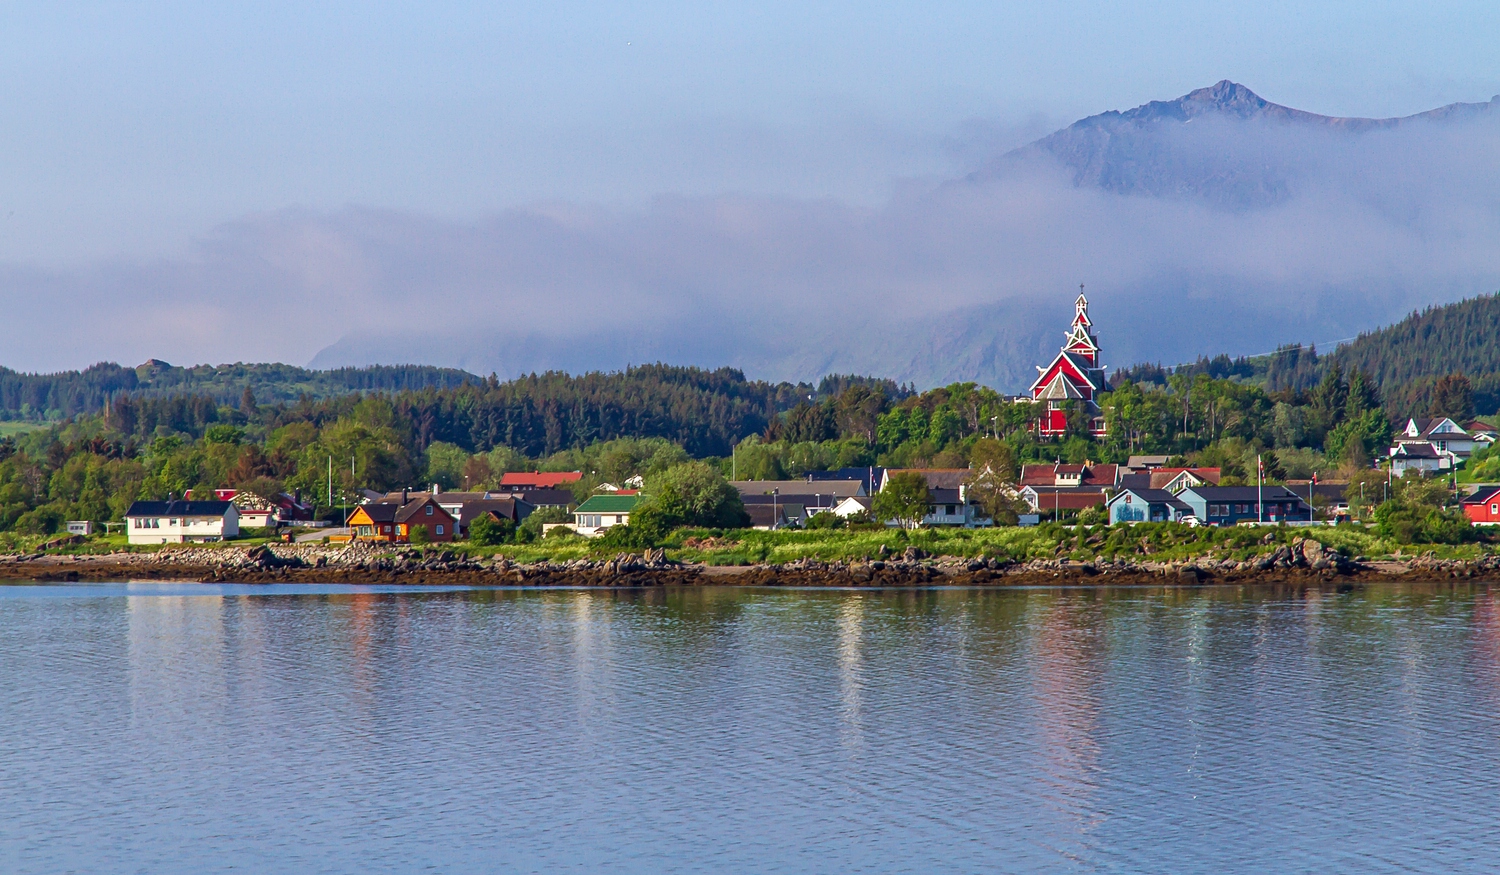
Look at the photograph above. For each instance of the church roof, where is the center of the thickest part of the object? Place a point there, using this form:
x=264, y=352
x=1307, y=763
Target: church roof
x=1092, y=376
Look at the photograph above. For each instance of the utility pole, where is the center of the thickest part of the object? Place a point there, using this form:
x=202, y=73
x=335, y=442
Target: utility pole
x=1260, y=478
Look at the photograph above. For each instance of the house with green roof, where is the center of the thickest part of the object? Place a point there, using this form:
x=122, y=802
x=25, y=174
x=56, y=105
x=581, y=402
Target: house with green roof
x=602, y=511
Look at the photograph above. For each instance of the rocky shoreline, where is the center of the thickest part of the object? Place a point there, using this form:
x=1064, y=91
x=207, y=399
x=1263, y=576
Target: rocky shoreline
x=1302, y=561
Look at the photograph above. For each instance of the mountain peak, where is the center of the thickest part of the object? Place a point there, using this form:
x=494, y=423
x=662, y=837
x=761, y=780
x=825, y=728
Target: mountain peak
x=1226, y=96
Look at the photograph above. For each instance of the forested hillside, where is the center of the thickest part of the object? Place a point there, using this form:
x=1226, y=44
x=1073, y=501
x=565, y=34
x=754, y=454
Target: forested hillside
x=69, y=393
x=1418, y=363
x=1407, y=360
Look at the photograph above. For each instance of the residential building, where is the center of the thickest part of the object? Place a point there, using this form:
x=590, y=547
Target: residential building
x=795, y=508
x=1145, y=462
x=1056, y=499
x=1483, y=507
x=176, y=522
x=395, y=517
x=769, y=517
x=601, y=512
x=516, y=481
x=870, y=476
x=1445, y=435
x=1174, y=480
x=1060, y=475
x=258, y=511
x=1423, y=456
x=1327, y=498
x=540, y=498
x=948, y=489
x=1073, y=380
x=1146, y=505
x=840, y=488
x=854, y=505
x=81, y=527
x=511, y=510
x=1231, y=505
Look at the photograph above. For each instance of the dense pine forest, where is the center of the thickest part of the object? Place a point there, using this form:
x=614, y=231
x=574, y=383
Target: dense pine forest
x=52, y=397
x=1412, y=362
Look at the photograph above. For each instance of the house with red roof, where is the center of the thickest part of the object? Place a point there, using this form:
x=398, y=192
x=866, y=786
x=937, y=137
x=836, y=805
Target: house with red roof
x=513, y=481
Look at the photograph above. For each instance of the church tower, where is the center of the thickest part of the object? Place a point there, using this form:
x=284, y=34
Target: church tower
x=1074, y=379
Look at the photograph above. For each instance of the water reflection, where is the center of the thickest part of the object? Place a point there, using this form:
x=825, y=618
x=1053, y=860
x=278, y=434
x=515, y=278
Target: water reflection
x=850, y=639
x=708, y=729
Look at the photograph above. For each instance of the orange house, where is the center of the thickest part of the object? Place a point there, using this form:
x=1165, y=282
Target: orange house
x=393, y=520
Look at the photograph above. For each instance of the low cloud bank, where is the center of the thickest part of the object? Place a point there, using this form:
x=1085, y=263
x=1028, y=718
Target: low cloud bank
x=968, y=280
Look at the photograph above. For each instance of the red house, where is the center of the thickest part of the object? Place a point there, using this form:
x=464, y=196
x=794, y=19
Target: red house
x=1075, y=378
x=1483, y=507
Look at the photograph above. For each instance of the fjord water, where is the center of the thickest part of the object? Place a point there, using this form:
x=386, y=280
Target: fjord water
x=200, y=728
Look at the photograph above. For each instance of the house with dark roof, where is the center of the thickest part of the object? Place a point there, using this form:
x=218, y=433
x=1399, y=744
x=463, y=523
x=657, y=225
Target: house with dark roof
x=395, y=518
x=1483, y=507
x=1231, y=505
x=1146, y=506
x=179, y=522
x=948, y=496
x=1423, y=456
x=511, y=510
x=870, y=477
x=1445, y=435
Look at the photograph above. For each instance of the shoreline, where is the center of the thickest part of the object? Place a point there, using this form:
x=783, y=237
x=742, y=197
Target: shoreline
x=652, y=569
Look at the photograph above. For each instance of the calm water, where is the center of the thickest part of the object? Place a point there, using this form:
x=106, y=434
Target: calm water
x=195, y=728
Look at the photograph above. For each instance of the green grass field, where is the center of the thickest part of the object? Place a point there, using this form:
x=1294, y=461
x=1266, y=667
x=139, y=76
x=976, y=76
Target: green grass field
x=8, y=429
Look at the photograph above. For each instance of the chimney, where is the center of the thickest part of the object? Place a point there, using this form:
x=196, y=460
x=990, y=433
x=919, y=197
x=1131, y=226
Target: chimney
x=404, y=497
x=436, y=489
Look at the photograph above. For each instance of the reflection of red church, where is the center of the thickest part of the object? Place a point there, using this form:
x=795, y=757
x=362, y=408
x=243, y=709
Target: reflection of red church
x=1074, y=376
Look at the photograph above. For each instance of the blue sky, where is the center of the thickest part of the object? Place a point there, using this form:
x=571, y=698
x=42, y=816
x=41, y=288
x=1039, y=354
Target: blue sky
x=130, y=130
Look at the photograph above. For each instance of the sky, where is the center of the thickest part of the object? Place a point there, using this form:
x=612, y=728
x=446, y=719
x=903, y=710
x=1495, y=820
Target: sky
x=135, y=139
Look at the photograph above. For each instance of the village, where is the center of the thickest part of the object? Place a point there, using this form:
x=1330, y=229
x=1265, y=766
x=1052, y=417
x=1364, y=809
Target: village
x=1145, y=489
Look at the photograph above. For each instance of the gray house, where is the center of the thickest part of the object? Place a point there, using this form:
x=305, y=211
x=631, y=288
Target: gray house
x=1230, y=505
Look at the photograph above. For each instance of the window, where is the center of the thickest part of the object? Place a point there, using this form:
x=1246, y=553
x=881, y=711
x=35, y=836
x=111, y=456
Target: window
x=429, y=510
x=950, y=510
x=440, y=528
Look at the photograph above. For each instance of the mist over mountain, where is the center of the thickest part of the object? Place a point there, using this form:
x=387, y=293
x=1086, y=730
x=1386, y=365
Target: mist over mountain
x=1218, y=222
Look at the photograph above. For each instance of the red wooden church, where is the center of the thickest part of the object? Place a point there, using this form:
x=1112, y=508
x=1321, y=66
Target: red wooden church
x=1074, y=376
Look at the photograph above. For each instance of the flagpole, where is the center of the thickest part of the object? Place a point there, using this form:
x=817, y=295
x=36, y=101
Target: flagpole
x=1260, y=478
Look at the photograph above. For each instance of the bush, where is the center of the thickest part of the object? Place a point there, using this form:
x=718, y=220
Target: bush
x=1092, y=516
x=648, y=527
x=531, y=527
x=694, y=494
x=486, y=531
x=825, y=520
x=418, y=535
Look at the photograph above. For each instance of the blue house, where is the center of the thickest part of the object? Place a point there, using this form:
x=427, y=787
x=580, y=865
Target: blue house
x=1146, y=505
x=1230, y=505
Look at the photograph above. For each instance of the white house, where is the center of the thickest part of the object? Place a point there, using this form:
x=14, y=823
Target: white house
x=1421, y=456
x=601, y=512
x=176, y=522
x=1445, y=435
